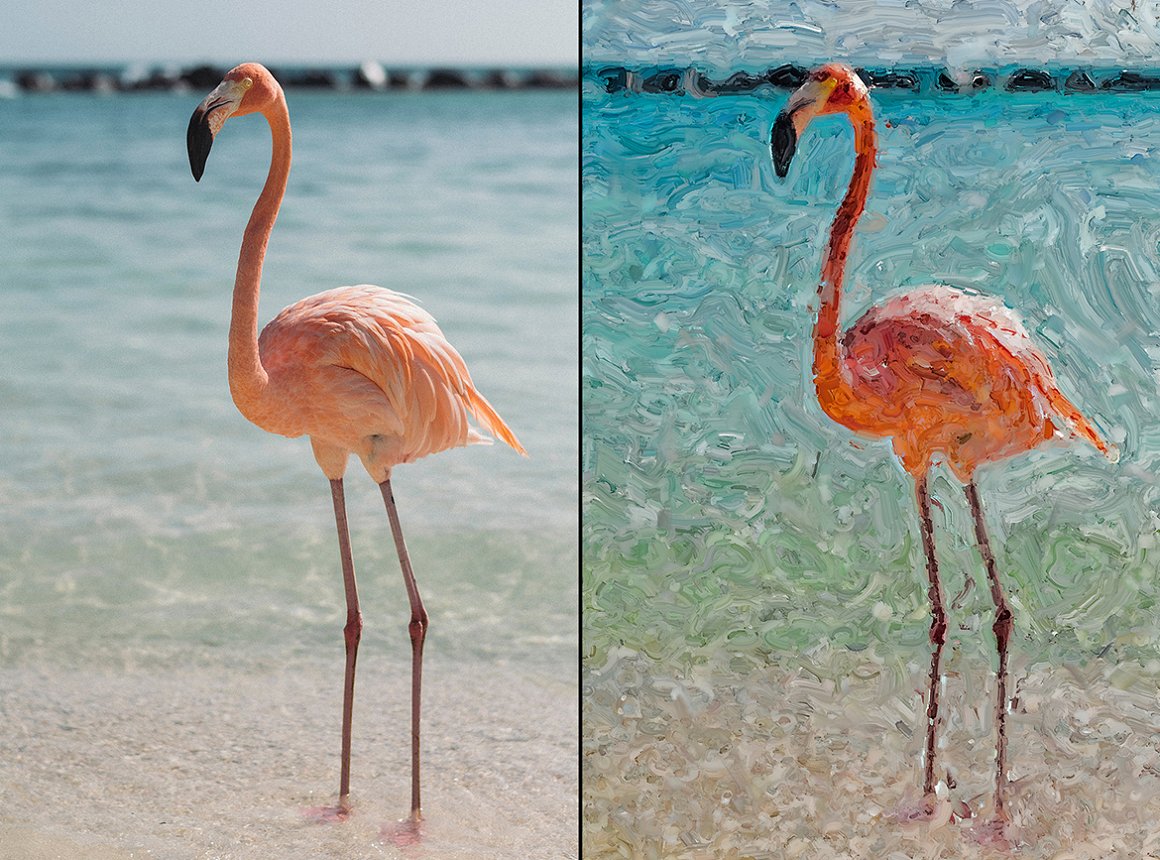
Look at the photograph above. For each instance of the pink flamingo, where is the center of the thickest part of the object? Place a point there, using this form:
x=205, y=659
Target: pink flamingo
x=359, y=370
x=941, y=372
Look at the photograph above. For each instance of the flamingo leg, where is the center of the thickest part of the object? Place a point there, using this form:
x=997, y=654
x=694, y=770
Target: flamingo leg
x=351, y=633
x=418, y=633
x=938, y=631
x=1002, y=628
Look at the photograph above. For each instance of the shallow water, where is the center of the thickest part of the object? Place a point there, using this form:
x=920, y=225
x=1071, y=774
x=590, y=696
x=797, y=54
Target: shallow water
x=151, y=536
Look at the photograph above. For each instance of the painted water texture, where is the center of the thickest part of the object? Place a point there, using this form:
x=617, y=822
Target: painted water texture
x=756, y=623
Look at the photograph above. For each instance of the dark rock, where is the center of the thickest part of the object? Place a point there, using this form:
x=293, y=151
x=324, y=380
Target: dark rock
x=615, y=78
x=739, y=82
x=547, y=79
x=314, y=79
x=397, y=80
x=889, y=80
x=89, y=82
x=665, y=81
x=1030, y=80
x=445, y=79
x=787, y=76
x=35, y=82
x=1079, y=81
x=160, y=80
x=945, y=83
x=1130, y=82
x=979, y=81
x=500, y=79
x=203, y=77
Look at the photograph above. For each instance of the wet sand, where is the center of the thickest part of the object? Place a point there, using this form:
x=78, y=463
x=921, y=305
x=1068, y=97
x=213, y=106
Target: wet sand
x=738, y=760
x=221, y=763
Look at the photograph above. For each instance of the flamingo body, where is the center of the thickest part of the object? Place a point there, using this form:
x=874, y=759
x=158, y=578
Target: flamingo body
x=366, y=370
x=945, y=372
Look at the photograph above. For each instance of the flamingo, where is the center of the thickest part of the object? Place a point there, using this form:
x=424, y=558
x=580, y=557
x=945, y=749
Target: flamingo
x=947, y=375
x=360, y=370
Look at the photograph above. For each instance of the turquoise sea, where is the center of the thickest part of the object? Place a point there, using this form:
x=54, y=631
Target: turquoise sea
x=739, y=548
x=171, y=600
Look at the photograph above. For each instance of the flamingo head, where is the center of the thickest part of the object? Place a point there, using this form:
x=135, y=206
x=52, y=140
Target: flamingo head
x=245, y=89
x=832, y=88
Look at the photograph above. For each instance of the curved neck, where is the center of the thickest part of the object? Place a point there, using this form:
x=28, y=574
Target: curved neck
x=826, y=347
x=247, y=376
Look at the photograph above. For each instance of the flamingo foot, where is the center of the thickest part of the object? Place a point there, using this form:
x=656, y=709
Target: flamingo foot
x=961, y=811
x=329, y=814
x=993, y=833
x=928, y=808
x=401, y=834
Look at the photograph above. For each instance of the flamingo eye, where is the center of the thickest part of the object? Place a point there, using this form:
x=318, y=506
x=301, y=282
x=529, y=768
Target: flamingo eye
x=820, y=75
x=247, y=83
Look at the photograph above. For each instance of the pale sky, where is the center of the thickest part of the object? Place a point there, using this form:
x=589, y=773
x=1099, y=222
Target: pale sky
x=395, y=32
x=728, y=35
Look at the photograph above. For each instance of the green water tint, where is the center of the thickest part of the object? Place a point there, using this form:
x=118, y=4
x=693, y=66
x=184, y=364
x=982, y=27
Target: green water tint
x=233, y=597
x=681, y=598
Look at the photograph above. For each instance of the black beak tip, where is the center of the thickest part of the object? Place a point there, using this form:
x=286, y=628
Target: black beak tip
x=198, y=140
x=782, y=143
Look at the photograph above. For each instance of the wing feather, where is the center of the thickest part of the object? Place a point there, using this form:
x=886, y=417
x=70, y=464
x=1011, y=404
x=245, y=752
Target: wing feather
x=375, y=364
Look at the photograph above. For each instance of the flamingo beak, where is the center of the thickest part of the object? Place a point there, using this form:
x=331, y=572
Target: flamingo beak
x=806, y=103
x=783, y=143
x=208, y=120
x=198, y=140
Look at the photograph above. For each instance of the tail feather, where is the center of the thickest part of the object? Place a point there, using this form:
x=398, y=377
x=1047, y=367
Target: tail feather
x=489, y=418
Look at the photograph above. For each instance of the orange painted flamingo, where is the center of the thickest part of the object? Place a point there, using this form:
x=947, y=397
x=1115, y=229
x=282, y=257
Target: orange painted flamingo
x=945, y=374
x=360, y=370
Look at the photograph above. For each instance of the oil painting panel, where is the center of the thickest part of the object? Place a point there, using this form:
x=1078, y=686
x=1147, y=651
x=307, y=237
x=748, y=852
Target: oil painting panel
x=757, y=617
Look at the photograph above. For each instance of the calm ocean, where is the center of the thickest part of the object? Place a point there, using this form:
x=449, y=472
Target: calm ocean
x=153, y=540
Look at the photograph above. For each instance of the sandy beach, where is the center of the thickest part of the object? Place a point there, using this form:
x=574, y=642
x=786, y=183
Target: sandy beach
x=737, y=760
x=219, y=763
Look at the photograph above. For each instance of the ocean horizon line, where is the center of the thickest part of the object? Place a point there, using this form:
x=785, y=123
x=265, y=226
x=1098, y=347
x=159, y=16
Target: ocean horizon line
x=131, y=77
x=677, y=79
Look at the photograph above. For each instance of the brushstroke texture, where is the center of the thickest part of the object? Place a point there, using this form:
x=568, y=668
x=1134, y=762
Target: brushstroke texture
x=731, y=34
x=733, y=535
